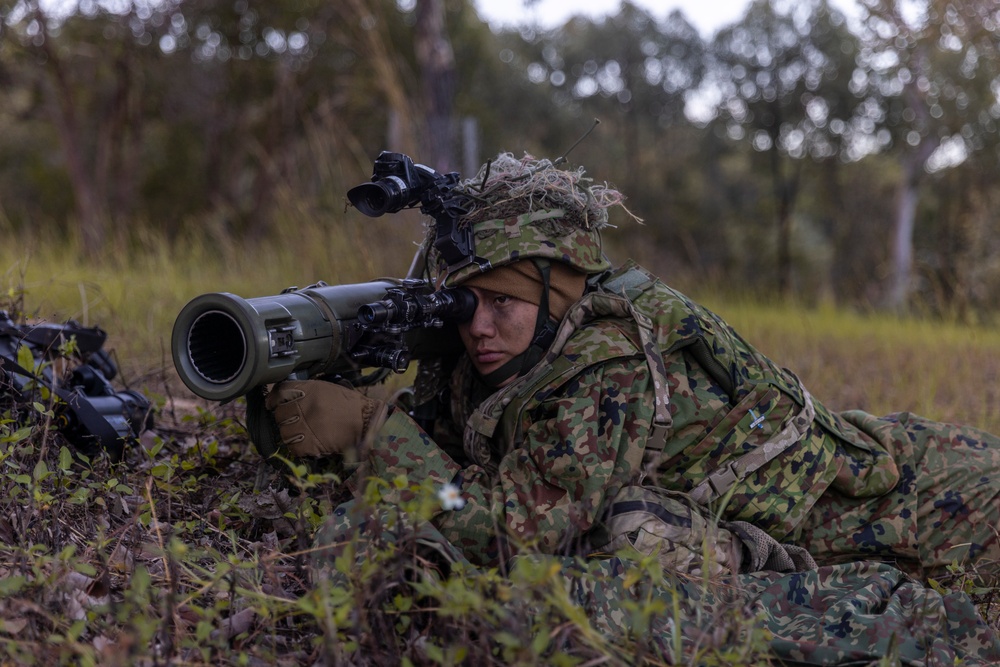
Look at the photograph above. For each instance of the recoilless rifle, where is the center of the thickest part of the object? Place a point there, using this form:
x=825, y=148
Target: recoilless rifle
x=224, y=346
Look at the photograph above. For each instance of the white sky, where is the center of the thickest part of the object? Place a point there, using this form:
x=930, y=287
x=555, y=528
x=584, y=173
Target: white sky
x=706, y=15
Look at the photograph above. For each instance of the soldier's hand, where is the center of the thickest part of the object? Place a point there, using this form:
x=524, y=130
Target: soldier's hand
x=761, y=552
x=319, y=418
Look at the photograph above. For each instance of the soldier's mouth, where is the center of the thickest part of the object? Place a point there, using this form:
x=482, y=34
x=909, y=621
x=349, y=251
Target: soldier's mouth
x=486, y=357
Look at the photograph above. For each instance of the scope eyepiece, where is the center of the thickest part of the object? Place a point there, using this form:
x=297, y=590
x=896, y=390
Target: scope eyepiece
x=456, y=304
x=387, y=195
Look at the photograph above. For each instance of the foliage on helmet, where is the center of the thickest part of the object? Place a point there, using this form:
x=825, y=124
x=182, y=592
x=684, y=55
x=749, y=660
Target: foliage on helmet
x=530, y=208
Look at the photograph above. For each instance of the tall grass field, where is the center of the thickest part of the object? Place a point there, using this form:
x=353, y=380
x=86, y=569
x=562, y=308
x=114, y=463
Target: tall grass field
x=186, y=553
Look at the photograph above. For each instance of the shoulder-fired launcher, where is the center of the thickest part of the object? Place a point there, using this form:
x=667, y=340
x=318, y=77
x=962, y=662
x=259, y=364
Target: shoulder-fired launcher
x=224, y=345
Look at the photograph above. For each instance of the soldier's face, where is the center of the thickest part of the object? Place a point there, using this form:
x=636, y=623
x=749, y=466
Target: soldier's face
x=501, y=329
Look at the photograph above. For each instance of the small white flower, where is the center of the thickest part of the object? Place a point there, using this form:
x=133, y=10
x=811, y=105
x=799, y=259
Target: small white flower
x=451, y=497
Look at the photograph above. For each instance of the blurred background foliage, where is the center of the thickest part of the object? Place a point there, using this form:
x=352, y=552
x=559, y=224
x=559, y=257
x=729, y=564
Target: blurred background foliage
x=154, y=150
x=792, y=154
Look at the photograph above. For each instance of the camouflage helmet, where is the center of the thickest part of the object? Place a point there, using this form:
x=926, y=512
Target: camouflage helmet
x=529, y=208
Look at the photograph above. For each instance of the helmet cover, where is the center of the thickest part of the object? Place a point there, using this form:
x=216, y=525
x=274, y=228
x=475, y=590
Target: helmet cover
x=526, y=208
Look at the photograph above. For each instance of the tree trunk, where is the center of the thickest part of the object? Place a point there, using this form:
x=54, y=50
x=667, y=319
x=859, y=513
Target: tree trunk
x=437, y=69
x=101, y=172
x=83, y=180
x=785, y=194
x=906, y=212
x=377, y=47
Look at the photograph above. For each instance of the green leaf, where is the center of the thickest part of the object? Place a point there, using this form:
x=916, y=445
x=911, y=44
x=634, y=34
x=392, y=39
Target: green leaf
x=434, y=652
x=540, y=643
x=17, y=436
x=11, y=585
x=938, y=588
x=157, y=446
x=65, y=458
x=25, y=358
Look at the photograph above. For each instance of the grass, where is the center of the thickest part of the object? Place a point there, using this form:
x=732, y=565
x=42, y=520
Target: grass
x=187, y=554
x=881, y=364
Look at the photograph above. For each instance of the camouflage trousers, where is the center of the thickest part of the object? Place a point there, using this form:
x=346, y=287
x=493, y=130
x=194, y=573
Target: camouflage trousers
x=859, y=613
x=945, y=508
x=856, y=613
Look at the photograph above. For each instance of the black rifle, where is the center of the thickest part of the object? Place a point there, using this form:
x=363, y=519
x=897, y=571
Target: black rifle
x=91, y=413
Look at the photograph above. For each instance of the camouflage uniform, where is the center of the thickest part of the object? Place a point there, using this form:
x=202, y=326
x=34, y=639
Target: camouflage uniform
x=545, y=457
x=858, y=613
x=643, y=389
x=546, y=453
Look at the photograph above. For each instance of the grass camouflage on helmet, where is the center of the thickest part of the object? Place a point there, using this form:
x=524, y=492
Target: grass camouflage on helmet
x=530, y=208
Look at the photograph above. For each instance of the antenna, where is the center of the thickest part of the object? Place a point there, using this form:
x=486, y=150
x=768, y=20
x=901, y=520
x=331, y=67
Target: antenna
x=560, y=160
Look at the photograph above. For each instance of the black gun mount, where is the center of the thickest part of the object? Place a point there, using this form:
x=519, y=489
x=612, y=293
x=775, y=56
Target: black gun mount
x=397, y=183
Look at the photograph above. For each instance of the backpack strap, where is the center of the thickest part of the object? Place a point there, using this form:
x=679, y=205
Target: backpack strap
x=630, y=284
x=722, y=479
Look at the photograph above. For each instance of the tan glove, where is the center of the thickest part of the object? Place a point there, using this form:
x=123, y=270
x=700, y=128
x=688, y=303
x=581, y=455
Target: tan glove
x=319, y=418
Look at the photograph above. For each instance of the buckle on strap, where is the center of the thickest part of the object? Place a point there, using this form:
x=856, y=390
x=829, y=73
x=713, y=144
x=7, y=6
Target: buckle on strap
x=717, y=483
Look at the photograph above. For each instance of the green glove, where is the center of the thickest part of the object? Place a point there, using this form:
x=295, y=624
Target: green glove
x=319, y=418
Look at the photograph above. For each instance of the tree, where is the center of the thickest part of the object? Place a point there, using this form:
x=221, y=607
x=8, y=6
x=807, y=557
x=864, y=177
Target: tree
x=99, y=125
x=633, y=73
x=436, y=61
x=929, y=74
x=226, y=102
x=781, y=86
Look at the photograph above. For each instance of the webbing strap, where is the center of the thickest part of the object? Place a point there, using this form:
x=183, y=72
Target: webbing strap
x=630, y=285
x=721, y=480
x=662, y=419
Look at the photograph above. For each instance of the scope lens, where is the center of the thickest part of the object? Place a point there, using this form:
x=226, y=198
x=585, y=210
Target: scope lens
x=378, y=197
x=216, y=346
x=374, y=313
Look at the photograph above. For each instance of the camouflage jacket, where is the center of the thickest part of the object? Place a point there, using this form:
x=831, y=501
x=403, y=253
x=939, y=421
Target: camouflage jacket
x=640, y=384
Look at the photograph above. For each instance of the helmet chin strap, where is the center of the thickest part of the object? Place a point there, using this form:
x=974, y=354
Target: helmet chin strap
x=545, y=331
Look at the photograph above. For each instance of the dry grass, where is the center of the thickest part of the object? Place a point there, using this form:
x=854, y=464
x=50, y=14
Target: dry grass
x=881, y=364
x=173, y=557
